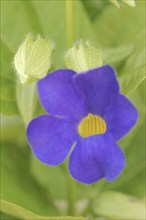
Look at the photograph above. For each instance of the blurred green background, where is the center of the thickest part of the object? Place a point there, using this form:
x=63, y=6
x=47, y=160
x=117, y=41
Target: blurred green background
x=30, y=189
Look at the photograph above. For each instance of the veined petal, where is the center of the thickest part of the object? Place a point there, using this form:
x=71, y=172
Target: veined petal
x=59, y=96
x=99, y=86
x=120, y=117
x=114, y=162
x=94, y=158
x=50, y=138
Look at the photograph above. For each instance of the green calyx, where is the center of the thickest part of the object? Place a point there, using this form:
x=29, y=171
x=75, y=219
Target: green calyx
x=83, y=56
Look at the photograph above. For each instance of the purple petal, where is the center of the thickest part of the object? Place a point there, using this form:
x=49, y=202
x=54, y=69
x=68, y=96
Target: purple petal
x=94, y=158
x=50, y=138
x=59, y=96
x=99, y=86
x=120, y=117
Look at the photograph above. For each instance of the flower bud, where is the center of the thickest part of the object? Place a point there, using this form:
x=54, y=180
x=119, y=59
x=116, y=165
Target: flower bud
x=33, y=59
x=83, y=56
x=115, y=3
x=128, y=2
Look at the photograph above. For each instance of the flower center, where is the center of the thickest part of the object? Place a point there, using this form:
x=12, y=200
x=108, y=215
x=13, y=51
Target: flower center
x=91, y=125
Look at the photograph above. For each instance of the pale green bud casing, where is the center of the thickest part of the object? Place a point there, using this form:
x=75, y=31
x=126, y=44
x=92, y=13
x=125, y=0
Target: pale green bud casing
x=83, y=56
x=128, y=2
x=33, y=59
x=115, y=3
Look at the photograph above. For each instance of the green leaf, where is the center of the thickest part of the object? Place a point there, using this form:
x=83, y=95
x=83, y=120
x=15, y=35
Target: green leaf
x=117, y=27
x=19, y=212
x=115, y=56
x=138, y=57
x=17, y=183
x=47, y=176
x=8, y=79
x=4, y=216
x=12, y=129
x=119, y=206
x=130, y=62
x=27, y=101
x=134, y=71
x=8, y=108
x=94, y=8
x=131, y=79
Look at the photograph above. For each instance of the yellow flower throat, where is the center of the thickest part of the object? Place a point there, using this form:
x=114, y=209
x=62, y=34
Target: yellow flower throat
x=91, y=125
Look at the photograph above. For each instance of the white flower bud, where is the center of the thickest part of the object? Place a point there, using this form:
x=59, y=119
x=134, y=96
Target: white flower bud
x=83, y=56
x=115, y=3
x=33, y=59
x=128, y=2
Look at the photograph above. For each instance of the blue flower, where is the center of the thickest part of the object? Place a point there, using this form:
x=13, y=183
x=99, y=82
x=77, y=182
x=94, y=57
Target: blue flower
x=87, y=115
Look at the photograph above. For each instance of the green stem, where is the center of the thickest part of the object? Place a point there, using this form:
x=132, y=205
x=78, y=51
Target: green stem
x=71, y=196
x=69, y=22
x=92, y=196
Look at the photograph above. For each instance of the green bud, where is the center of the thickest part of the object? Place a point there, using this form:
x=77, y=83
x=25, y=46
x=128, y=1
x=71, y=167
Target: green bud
x=33, y=59
x=115, y=3
x=130, y=2
x=83, y=56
